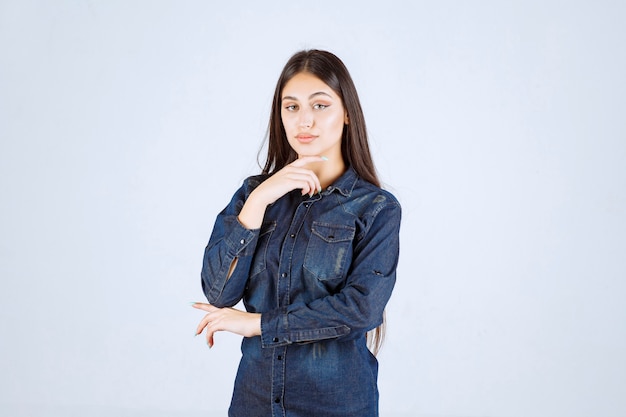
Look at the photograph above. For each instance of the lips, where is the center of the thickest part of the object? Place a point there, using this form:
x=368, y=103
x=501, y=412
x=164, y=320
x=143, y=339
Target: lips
x=305, y=137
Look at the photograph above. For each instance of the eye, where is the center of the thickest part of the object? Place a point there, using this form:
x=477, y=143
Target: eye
x=320, y=106
x=291, y=107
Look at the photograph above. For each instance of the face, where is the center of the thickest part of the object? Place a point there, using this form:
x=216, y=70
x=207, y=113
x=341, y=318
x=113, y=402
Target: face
x=313, y=117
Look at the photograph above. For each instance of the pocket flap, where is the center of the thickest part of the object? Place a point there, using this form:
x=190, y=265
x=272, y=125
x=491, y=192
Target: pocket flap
x=333, y=232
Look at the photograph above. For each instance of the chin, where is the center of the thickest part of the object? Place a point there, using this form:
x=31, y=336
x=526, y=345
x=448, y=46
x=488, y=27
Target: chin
x=306, y=152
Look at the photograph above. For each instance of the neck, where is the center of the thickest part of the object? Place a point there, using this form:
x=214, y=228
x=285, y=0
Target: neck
x=329, y=171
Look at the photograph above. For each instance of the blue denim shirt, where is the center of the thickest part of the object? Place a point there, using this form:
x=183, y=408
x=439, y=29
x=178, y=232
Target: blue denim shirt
x=320, y=270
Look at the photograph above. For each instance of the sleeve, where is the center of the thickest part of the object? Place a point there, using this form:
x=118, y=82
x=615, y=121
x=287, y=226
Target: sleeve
x=229, y=241
x=359, y=306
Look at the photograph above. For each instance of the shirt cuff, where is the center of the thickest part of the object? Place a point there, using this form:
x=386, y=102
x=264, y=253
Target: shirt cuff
x=274, y=328
x=239, y=239
x=275, y=331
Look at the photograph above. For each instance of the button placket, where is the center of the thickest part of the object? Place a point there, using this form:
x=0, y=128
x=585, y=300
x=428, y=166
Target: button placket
x=287, y=253
x=284, y=268
x=278, y=381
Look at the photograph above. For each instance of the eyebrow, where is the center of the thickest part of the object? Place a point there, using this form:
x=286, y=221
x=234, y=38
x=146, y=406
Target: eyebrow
x=319, y=93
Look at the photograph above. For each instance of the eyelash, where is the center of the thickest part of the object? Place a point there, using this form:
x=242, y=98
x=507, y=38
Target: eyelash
x=317, y=106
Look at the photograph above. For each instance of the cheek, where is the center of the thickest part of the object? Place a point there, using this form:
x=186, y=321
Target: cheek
x=287, y=125
x=334, y=121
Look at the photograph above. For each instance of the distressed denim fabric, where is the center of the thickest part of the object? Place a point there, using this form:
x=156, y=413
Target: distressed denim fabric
x=320, y=270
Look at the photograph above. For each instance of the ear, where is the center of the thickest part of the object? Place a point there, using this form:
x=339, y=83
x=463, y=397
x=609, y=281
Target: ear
x=346, y=121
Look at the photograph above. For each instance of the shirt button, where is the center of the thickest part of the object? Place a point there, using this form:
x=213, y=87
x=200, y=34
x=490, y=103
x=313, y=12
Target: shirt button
x=277, y=400
x=275, y=340
x=293, y=235
x=242, y=241
x=284, y=275
x=280, y=357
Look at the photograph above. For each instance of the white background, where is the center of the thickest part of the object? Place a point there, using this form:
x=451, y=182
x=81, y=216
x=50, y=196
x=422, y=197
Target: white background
x=125, y=126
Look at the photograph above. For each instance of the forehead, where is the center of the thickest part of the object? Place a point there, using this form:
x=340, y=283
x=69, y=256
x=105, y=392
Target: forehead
x=303, y=84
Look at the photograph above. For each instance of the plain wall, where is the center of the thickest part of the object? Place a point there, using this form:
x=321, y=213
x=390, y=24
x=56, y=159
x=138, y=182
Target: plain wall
x=125, y=126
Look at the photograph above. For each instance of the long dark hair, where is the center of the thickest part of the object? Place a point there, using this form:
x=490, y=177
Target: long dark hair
x=354, y=142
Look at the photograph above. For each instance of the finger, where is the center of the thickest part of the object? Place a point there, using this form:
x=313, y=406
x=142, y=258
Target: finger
x=300, y=162
x=204, y=306
x=306, y=186
x=206, y=320
x=312, y=185
x=203, y=323
x=305, y=179
x=210, y=331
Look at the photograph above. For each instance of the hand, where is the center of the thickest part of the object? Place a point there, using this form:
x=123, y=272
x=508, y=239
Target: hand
x=227, y=319
x=291, y=177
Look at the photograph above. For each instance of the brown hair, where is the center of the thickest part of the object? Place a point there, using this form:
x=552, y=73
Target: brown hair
x=354, y=142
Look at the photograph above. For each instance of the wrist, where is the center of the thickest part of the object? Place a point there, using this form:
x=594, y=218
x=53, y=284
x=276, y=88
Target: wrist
x=252, y=212
x=257, y=324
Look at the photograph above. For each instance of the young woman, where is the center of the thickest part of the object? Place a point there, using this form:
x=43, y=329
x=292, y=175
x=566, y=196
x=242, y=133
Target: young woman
x=311, y=245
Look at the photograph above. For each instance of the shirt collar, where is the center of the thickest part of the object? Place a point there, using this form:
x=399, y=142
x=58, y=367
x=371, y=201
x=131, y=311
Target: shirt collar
x=344, y=184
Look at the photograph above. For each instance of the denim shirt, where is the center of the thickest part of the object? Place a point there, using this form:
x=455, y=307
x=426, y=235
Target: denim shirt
x=320, y=270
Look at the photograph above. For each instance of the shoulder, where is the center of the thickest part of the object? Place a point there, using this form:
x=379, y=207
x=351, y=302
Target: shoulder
x=374, y=198
x=253, y=181
x=377, y=209
x=370, y=205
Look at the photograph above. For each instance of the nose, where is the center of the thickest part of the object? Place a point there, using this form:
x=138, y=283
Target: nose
x=306, y=119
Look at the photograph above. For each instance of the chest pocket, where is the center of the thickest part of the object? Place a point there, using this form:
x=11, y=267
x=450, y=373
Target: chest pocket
x=329, y=250
x=259, y=262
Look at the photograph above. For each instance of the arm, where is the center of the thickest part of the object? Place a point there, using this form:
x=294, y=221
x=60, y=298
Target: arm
x=358, y=307
x=228, y=256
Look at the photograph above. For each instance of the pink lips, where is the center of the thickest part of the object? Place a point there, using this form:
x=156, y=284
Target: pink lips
x=305, y=138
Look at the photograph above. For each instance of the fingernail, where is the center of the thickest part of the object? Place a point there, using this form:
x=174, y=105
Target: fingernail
x=319, y=190
x=324, y=158
x=192, y=303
